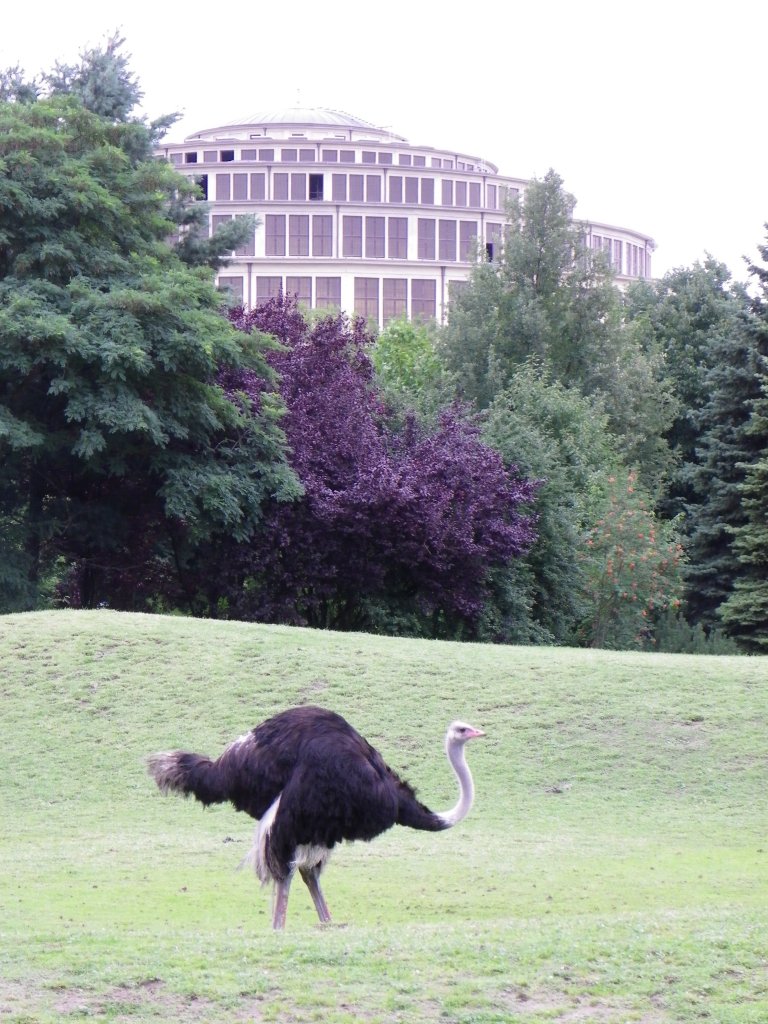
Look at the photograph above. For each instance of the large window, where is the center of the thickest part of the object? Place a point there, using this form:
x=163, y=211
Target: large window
x=352, y=236
x=356, y=182
x=298, y=234
x=268, y=288
x=618, y=256
x=240, y=186
x=322, y=235
x=367, y=297
x=234, y=285
x=398, y=238
x=395, y=189
x=411, y=190
x=467, y=239
x=374, y=237
x=427, y=191
x=447, y=192
x=493, y=241
x=298, y=186
x=202, y=183
x=223, y=185
x=217, y=219
x=280, y=186
x=301, y=287
x=373, y=188
x=315, y=187
x=447, y=240
x=328, y=292
x=395, y=299
x=339, y=188
x=258, y=186
x=423, y=302
x=249, y=247
x=426, y=239
x=274, y=234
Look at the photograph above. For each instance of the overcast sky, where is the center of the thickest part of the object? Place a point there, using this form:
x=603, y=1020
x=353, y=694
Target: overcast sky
x=652, y=112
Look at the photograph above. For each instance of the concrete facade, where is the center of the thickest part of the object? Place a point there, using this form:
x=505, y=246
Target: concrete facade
x=356, y=217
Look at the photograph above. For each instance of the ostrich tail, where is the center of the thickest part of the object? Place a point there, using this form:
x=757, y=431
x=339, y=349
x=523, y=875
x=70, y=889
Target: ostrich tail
x=189, y=774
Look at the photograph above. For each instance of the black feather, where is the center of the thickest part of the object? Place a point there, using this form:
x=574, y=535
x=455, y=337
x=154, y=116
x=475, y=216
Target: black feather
x=333, y=785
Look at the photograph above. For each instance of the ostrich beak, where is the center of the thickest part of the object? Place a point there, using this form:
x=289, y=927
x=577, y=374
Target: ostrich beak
x=475, y=734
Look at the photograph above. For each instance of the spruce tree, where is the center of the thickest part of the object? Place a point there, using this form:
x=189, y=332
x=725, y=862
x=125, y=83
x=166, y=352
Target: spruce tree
x=729, y=449
x=745, y=612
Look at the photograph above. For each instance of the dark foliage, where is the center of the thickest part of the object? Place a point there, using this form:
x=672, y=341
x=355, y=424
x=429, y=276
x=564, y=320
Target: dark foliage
x=396, y=530
x=727, y=449
x=745, y=612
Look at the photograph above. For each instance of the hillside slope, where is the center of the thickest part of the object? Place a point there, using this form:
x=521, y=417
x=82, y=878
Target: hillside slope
x=618, y=795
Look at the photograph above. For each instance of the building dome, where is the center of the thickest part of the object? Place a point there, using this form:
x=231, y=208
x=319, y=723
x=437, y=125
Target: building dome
x=351, y=216
x=316, y=122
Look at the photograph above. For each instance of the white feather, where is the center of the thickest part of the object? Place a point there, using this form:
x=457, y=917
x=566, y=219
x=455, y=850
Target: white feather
x=256, y=856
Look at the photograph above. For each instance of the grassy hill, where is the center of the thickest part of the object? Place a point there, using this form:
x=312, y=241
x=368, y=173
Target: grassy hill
x=614, y=868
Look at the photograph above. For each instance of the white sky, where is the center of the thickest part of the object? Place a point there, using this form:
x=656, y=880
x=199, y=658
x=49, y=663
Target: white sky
x=649, y=110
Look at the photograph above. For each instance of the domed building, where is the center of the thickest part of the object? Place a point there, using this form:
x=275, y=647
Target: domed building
x=354, y=217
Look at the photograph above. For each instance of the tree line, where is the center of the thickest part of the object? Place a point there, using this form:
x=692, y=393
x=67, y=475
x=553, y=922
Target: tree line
x=562, y=463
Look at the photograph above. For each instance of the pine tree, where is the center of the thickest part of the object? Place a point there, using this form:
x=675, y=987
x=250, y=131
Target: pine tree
x=745, y=612
x=729, y=449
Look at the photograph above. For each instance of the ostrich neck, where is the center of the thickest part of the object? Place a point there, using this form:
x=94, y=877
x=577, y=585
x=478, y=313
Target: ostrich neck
x=458, y=762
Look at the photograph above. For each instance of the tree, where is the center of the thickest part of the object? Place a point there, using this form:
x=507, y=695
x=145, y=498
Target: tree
x=727, y=461
x=683, y=316
x=409, y=372
x=113, y=428
x=397, y=529
x=101, y=80
x=745, y=611
x=633, y=566
x=558, y=437
x=548, y=297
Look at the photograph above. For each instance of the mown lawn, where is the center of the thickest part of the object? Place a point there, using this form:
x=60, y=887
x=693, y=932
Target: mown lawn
x=614, y=868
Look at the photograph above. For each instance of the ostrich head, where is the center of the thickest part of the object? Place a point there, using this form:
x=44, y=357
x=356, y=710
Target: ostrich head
x=458, y=734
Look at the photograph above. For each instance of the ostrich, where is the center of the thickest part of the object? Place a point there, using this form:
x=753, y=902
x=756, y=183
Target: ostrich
x=311, y=781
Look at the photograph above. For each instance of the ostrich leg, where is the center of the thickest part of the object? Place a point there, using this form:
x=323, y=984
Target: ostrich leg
x=281, y=903
x=311, y=878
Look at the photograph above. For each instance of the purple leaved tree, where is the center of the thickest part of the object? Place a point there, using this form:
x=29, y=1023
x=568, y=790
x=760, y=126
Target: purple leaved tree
x=395, y=531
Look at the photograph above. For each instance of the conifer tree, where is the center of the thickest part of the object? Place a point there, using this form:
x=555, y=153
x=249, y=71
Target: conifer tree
x=731, y=445
x=745, y=612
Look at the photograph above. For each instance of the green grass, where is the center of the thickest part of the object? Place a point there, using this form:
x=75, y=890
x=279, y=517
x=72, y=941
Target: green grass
x=614, y=868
